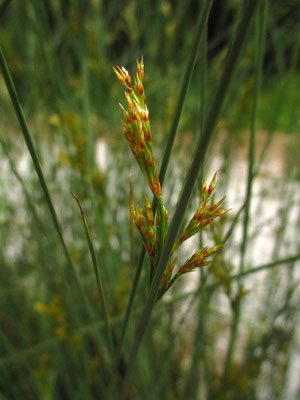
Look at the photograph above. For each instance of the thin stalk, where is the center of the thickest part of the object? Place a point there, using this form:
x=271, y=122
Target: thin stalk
x=161, y=229
x=131, y=225
x=260, y=37
x=161, y=234
x=204, y=13
x=97, y=273
x=26, y=134
x=233, y=224
x=260, y=29
x=25, y=191
x=35, y=349
x=171, y=138
x=19, y=113
x=202, y=145
x=193, y=380
x=130, y=304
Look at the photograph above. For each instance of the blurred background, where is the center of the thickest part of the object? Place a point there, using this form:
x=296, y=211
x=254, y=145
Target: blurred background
x=233, y=340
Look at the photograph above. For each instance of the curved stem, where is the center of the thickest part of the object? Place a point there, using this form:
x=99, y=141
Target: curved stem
x=71, y=271
x=97, y=274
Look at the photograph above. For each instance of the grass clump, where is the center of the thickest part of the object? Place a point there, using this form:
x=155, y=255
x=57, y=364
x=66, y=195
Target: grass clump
x=81, y=315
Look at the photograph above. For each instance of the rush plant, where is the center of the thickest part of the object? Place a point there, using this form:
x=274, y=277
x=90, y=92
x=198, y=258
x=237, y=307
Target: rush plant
x=153, y=230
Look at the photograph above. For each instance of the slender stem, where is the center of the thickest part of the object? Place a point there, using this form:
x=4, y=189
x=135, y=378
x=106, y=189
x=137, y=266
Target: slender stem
x=203, y=16
x=260, y=28
x=97, y=273
x=193, y=379
x=202, y=145
x=27, y=195
x=26, y=134
x=171, y=138
x=161, y=234
x=19, y=113
x=161, y=229
x=27, y=352
x=130, y=303
x=131, y=225
x=233, y=224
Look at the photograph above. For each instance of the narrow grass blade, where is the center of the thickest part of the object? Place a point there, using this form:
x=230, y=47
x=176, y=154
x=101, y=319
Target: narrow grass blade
x=97, y=272
x=55, y=341
x=204, y=13
x=202, y=145
x=25, y=131
x=260, y=29
x=233, y=224
x=25, y=191
x=193, y=378
x=19, y=113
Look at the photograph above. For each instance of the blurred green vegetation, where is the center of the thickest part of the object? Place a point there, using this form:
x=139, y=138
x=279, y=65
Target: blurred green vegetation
x=60, y=54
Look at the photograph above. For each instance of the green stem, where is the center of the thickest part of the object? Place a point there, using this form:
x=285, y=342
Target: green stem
x=26, y=134
x=193, y=379
x=97, y=273
x=171, y=138
x=192, y=382
x=35, y=349
x=19, y=113
x=27, y=195
x=161, y=229
x=203, y=17
x=229, y=68
x=260, y=28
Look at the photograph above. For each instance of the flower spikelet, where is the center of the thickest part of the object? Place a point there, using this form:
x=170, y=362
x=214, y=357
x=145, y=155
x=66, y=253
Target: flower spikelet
x=198, y=259
x=145, y=223
x=166, y=280
x=207, y=211
x=136, y=124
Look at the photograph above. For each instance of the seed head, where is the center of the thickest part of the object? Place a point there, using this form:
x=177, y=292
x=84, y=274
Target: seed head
x=198, y=259
x=136, y=125
x=207, y=211
x=124, y=77
x=140, y=70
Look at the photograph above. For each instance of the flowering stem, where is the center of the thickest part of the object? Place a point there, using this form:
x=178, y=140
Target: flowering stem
x=169, y=286
x=211, y=121
x=171, y=138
